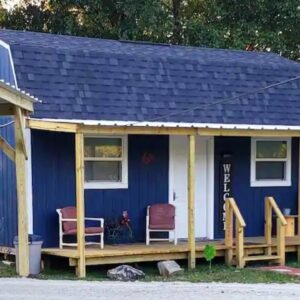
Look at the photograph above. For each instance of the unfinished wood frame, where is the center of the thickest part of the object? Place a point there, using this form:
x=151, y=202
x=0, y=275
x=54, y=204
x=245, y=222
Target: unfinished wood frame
x=231, y=211
x=79, y=153
x=163, y=130
x=270, y=206
x=191, y=202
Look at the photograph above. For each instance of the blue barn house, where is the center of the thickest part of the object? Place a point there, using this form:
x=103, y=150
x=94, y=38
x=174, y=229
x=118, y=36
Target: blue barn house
x=141, y=100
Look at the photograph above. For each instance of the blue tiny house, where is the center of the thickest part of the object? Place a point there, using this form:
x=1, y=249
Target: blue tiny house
x=134, y=104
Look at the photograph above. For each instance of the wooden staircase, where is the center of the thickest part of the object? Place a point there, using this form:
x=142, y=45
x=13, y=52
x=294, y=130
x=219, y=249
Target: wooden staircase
x=237, y=253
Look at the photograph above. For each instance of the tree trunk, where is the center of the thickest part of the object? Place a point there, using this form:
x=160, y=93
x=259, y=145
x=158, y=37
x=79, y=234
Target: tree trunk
x=177, y=29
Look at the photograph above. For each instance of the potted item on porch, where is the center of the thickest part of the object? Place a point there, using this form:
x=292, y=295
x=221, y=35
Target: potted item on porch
x=286, y=211
x=118, y=230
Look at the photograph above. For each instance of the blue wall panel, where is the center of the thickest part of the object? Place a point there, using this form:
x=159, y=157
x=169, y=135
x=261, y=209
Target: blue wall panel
x=54, y=183
x=8, y=197
x=251, y=199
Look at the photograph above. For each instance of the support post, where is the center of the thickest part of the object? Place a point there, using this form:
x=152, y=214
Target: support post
x=20, y=157
x=281, y=242
x=191, y=203
x=268, y=227
x=239, y=235
x=228, y=233
x=79, y=152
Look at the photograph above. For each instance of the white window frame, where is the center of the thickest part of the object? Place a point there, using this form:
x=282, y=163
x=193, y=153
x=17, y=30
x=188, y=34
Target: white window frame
x=111, y=185
x=265, y=183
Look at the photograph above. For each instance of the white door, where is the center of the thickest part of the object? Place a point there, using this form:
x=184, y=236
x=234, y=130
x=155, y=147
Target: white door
x=203, y=184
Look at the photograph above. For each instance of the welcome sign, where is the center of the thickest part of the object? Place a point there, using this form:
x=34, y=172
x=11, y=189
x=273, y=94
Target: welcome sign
x=226, y=168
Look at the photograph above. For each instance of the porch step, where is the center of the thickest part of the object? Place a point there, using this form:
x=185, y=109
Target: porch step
x=255, y=246
x=261, y=257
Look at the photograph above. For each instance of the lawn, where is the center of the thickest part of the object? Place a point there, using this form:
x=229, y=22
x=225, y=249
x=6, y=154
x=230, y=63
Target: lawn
x=219, y=273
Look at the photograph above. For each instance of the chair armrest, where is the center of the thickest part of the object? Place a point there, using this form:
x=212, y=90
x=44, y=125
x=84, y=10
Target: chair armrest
x=101, y=220
x=68, y=220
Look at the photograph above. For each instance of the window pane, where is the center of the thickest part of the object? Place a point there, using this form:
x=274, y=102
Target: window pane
x=271, y=149
x=110, y=171
x=103, y=147
x=270, y=170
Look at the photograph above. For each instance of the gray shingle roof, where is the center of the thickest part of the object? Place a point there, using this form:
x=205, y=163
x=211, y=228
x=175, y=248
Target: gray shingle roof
x=96, y=79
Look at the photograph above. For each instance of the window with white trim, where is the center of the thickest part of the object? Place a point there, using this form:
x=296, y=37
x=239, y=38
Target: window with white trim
x=270, y=162
x=105, y=162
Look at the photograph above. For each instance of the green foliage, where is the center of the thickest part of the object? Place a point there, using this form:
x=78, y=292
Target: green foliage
x=266, y=25
x=209, y=253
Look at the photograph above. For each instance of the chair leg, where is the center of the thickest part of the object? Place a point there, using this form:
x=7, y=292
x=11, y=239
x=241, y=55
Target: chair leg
x=175, y=238
x=102, y=241
x=147, y=237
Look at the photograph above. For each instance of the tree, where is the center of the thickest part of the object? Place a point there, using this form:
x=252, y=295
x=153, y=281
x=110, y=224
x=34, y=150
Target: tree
x=267, y=25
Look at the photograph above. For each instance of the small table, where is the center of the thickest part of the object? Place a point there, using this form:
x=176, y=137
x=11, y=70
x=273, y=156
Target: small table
x=290, y=227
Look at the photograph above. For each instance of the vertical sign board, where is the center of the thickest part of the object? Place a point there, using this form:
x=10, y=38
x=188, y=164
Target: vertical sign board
x=226, y=168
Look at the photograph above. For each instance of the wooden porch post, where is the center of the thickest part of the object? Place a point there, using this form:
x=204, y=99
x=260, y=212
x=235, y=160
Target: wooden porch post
x=20, y=157
x=191, y=203
x=79, y=152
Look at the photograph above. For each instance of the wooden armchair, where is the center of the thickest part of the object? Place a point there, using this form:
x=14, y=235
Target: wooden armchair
x=161, y=218
x=68, y=226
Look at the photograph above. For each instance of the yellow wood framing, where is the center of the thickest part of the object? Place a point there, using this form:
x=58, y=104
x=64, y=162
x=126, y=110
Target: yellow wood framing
x=101, y=129
x=7, y=149
x=21, y=120
x=21, y=191
x=191, y=202
x=79, y=150
x=14, y=97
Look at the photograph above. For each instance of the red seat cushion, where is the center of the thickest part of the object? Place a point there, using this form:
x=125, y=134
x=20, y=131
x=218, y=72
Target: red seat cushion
x=162, y=216
x=88, y=230
x=69, y=213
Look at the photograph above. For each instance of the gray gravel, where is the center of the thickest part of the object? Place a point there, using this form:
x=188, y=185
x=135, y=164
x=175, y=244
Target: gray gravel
x=25, y=289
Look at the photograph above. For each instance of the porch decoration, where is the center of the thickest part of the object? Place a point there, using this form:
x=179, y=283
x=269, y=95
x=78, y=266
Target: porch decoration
x=119, y=230
x=148, y=158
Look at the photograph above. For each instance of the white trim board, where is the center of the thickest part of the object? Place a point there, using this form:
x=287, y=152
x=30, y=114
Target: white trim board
x=7, y=46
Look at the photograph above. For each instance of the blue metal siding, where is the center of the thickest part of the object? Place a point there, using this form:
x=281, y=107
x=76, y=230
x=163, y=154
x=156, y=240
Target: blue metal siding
x=53, y=173
x=8, y=196
x=251, y=199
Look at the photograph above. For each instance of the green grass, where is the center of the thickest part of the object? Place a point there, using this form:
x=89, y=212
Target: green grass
x=219, y=273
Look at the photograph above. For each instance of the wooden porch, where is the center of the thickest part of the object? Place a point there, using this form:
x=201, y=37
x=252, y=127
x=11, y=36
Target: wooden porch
x=139, y=252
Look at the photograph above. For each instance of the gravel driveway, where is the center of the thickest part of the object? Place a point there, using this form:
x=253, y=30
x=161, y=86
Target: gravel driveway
x=25, y=289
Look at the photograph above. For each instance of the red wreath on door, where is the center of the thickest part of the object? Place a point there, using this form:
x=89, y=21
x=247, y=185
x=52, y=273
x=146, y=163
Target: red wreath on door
x=148, y=158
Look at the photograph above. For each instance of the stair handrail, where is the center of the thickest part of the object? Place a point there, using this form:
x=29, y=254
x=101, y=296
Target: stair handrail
x=231, y=211
x=271, y=205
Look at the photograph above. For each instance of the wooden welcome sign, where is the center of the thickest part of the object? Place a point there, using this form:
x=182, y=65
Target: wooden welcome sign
x=226, y=173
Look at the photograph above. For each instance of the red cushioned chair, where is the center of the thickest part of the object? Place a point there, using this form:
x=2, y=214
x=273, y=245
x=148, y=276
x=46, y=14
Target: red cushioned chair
x=161, y=218
x=68, y=226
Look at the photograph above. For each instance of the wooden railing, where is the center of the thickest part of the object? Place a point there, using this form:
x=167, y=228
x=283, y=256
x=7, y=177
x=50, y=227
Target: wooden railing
x=231, y=211
x=271, y=205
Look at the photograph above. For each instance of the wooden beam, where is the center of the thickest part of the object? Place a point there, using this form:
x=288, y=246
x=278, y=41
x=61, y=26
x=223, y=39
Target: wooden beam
x=228, y=233
x=280, y=241
x=6, y=109
x=7, y=149
x=79, y=153
x=21, y=119
x=101, y=129
x=51, y=126
x=191, y=203
x=268, y=227
x=14, y=97
x=21, y=192
x=239, y=236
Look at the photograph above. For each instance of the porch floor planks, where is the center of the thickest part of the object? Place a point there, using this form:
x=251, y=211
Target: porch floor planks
x=156, y=251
